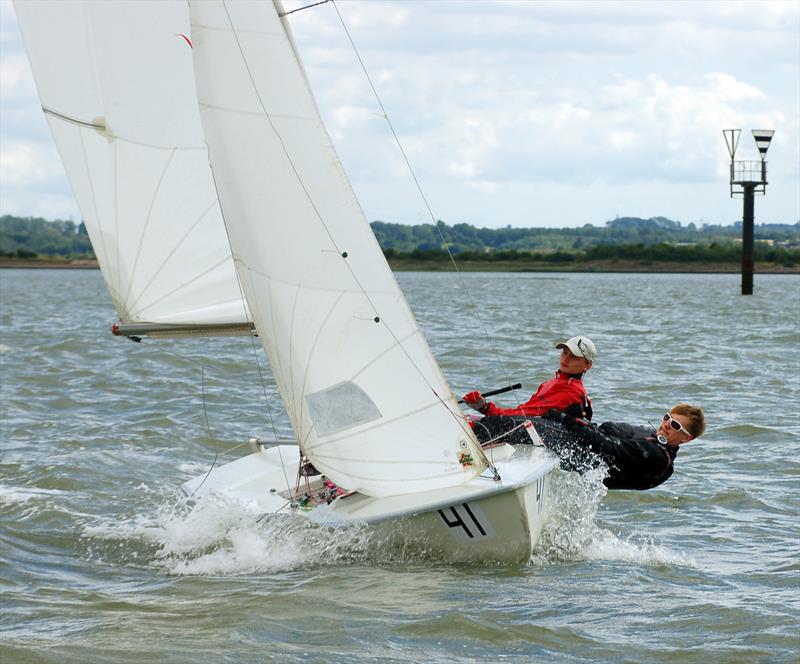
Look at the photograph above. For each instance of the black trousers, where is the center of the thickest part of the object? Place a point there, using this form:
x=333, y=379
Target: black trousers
x=573, y=453
x=504, y=428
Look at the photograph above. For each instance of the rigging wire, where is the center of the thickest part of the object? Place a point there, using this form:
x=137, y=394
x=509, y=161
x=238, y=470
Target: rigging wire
x=385, y=116
x=261, y=381
x=241, y=289
x=209, y=430
x=208, y=426
x=378, y=319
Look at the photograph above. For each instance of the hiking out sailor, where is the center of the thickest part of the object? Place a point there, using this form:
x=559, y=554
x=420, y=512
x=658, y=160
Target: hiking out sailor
x=637, y=457
x=564, y=392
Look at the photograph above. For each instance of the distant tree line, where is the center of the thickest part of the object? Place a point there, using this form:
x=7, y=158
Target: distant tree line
x=662, y=252
x=461, y=238
x=632, y=238
x=28, y=237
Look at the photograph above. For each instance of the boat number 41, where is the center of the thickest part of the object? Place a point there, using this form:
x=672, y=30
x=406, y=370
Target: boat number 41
x=466, y=523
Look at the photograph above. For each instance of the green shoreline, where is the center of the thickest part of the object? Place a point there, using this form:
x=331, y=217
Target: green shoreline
x=611, y=265
x=410, y=265
x=48, y=263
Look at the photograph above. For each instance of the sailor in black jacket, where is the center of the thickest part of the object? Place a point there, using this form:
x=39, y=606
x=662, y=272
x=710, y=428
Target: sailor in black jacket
x=637, y=457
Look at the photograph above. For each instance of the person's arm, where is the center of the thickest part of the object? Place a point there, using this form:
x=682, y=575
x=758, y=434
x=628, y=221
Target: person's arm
x=491, y=409
x=636, y=460
x=603, y=441
x=475, y=400
x=531, y=408
x=577, y=443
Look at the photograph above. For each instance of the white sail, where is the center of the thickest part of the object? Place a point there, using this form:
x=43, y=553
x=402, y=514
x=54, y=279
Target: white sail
x=115, y=80
x=365, y=396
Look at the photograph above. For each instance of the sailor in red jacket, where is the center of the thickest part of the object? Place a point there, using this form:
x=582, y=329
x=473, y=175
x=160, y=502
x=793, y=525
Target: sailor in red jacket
x=564, y=392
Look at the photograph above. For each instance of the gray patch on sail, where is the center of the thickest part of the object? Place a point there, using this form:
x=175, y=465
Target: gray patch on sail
x=340, y=407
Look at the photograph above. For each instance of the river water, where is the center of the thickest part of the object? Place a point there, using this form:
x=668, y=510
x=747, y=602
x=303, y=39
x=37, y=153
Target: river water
x=103, y=561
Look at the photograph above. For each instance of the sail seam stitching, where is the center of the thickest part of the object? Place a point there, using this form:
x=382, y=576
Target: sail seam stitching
x=428, y=207
x=459, y=420
x=311, y=354
x=188, y=283
x=114, y=296
x=383, y=353
x=291, y=347
x=171, y=254
x=147, y=220
x=377, y=425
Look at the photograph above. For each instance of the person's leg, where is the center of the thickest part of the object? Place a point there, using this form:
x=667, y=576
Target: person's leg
x=501, y=429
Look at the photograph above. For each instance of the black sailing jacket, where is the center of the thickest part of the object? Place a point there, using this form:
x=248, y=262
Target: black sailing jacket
x=635, y=458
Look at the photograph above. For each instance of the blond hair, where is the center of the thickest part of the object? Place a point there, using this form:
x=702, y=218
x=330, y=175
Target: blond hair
x=696, y=424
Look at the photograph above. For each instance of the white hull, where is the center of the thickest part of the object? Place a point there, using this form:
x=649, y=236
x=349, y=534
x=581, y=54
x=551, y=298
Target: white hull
x=482, y=520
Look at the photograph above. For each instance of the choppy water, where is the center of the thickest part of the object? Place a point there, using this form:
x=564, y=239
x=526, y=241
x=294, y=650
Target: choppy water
x=103, y=561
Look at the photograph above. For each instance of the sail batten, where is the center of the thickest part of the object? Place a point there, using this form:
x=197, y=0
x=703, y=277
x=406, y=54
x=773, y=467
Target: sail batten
x=83, y=123
x=354, y=371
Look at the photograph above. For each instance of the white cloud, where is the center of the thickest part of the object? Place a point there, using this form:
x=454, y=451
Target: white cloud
x=622, y=140
x=484, y=187
x=33, y=183
x=616, y=107
x=732, y=90
x=22, y=163
x=15, y=76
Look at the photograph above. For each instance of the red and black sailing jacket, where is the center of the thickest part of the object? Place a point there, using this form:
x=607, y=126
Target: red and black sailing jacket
x=563, y=392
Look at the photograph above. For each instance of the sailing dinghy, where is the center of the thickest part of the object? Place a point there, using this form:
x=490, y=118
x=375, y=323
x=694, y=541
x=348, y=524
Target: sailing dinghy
x=271, y=240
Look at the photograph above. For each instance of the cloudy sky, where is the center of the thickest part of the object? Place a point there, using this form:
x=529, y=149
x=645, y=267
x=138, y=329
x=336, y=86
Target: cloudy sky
x=527, y=113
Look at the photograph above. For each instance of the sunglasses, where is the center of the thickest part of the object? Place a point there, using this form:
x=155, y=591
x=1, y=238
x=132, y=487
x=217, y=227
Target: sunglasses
x=675, y=424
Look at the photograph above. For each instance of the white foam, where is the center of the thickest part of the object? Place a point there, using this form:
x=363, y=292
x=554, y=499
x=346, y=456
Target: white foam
x=14, y=495
x=610, y=547
x=219, y=535
x=193, y=468
x=573, y=534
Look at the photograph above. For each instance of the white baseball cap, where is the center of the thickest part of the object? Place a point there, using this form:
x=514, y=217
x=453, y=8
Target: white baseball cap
x=580, y=347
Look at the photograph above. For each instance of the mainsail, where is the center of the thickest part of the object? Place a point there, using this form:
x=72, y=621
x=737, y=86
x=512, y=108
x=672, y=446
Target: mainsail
x=116, y=84
x=365, y=396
